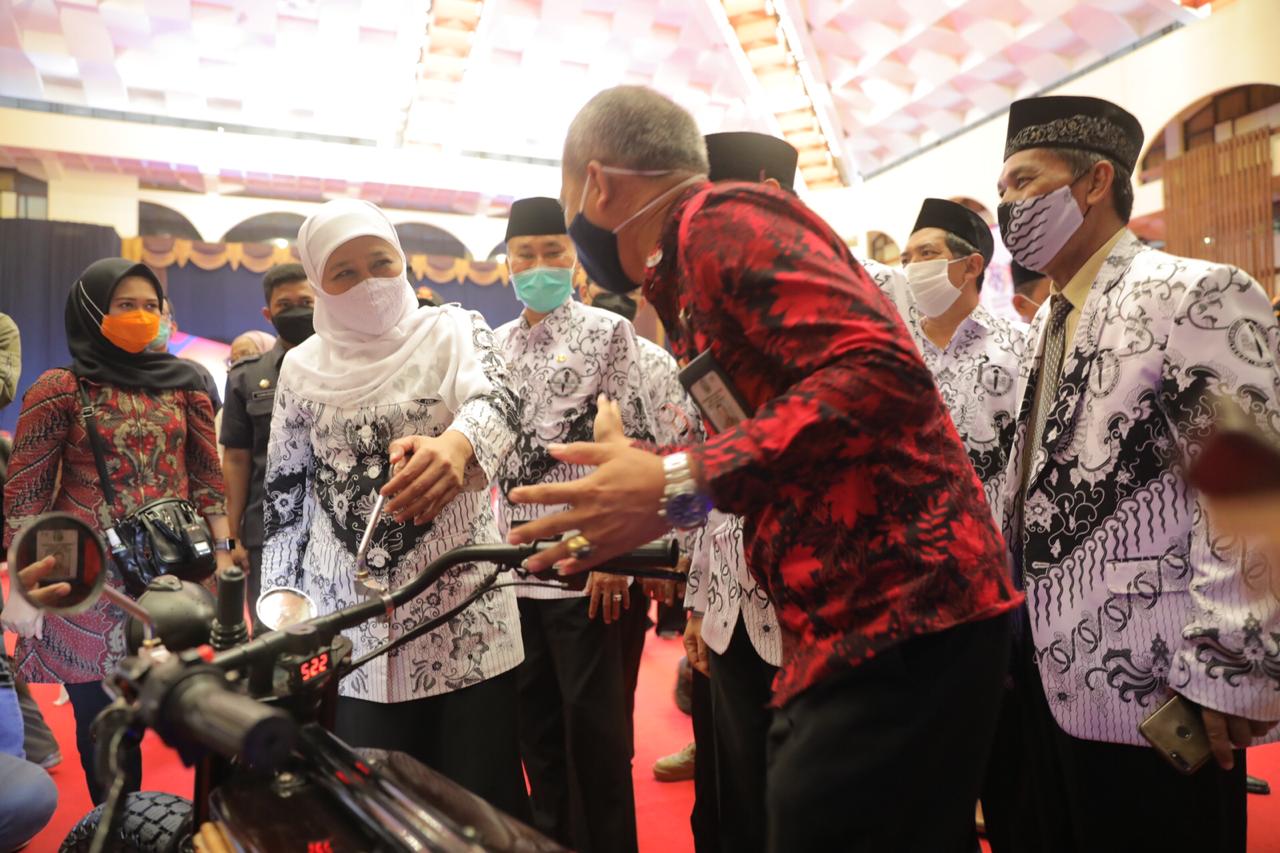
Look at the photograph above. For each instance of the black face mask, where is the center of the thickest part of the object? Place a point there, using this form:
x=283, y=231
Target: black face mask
x=598, y=247
x=294, y=324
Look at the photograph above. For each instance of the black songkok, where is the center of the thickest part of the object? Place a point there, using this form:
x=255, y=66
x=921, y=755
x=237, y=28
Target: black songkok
x=535, y=217
x=955, y=218
x=753, y=157
x=1062, y=121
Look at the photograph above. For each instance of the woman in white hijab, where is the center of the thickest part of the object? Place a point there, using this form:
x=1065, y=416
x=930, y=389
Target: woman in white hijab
x=383, y=381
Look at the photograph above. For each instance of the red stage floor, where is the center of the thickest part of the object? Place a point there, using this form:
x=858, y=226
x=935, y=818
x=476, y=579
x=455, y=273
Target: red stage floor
x=662, y=810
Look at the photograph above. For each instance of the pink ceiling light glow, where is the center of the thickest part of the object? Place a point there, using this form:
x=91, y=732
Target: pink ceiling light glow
x=773, y=60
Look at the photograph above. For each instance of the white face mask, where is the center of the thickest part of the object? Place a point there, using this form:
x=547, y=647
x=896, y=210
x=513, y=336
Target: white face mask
x=373, y=306
x=931, y=287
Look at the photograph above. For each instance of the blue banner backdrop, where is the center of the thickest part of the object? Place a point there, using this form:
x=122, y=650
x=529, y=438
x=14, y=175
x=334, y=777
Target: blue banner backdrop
x=39, y=263
x=223, y=303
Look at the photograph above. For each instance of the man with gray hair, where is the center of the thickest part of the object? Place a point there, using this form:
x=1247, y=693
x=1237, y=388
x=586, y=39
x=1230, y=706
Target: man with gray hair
x=862, y=516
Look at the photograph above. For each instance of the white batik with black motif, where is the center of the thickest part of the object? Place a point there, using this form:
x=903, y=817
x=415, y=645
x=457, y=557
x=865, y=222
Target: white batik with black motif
x=559, y=367
x=325, y=465
x=977, y=376
x=724, y=591
x=1130, y=593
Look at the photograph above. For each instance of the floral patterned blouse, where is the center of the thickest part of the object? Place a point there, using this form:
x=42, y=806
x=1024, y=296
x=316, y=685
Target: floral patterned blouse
x=325, y=465
x=159, y=444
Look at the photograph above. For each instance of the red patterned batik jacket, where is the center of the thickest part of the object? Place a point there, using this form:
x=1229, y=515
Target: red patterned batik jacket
x=863, y=516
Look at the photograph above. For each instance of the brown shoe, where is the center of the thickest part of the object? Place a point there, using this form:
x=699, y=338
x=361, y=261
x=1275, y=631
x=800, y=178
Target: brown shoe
x=677, y=767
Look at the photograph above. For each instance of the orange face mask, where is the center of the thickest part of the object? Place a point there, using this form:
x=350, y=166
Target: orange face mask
x=131, y=331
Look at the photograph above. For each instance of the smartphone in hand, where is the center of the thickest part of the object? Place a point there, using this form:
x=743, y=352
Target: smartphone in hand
x=1177, y=732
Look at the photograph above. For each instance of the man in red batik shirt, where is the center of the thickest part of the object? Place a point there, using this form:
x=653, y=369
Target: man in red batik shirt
x=862, y=515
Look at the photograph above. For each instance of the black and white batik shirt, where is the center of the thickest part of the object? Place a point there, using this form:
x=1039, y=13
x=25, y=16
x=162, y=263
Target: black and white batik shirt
x=325, y=464
x=558, y=368
x=977, y=375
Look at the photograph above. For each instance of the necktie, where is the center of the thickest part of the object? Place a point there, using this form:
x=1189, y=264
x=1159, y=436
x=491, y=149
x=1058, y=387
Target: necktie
x=1055, y=346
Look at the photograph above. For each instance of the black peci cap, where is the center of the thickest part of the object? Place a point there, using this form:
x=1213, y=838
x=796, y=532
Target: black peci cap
x=746, y=156
x=534, y=217
x=1023, y=276
x=1062, y=121
x=955, y=218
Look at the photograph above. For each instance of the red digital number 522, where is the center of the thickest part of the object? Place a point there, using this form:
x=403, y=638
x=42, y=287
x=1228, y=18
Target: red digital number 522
x=314, y=667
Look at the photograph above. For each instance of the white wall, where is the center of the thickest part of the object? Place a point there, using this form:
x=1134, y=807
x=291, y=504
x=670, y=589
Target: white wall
x=211, y=151
x=96, y=199
x=213, y=215
x=1232, y=47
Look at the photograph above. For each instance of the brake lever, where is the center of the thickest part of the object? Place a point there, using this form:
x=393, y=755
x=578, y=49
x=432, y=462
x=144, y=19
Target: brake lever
x=366, y=584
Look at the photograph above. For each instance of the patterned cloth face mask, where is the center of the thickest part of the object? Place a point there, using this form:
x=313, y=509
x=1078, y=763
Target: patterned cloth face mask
x=1035, y=229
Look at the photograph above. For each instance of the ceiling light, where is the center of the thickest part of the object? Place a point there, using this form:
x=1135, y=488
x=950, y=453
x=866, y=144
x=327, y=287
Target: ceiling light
x=776, y=60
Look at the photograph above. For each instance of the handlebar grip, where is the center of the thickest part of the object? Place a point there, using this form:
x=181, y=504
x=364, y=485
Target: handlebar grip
x=659, y=554
x=231, y=587
x=204, y=709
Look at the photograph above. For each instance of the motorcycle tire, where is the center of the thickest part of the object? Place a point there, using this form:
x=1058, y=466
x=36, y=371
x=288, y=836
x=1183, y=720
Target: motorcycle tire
x=150, y=822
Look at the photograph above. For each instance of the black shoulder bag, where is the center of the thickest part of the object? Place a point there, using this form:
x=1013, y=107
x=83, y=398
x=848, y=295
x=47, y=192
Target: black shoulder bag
x=167, y=536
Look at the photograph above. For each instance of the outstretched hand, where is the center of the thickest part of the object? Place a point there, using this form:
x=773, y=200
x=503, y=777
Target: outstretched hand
x=615, y=507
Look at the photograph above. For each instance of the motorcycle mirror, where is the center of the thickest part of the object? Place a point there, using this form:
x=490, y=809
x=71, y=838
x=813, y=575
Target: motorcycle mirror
x=80, y=562
x=284, y=606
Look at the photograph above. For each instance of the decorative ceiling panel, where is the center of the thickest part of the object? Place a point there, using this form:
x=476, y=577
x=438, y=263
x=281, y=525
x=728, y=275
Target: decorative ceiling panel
x=504, y=77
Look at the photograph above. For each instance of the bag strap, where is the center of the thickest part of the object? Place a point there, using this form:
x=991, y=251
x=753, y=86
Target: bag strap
x=95, y=442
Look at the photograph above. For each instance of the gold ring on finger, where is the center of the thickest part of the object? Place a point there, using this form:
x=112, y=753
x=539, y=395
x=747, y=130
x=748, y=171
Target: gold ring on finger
x=580, y=547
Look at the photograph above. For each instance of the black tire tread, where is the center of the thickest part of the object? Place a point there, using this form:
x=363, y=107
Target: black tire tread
x=150, y=822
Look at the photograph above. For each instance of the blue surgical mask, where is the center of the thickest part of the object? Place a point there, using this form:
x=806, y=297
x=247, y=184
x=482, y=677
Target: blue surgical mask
x=598, y=247
x=543, y=289
x=160, y=343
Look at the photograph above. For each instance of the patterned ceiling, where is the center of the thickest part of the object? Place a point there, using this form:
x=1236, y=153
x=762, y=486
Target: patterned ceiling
x=502, y=78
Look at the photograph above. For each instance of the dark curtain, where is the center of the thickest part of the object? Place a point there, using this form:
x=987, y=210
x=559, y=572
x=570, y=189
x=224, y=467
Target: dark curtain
x=496, y=302
x=217, y=304
x=223, y=303
x=39, y=262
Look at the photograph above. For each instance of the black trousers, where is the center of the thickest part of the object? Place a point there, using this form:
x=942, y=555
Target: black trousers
x=635, y=626
x=671, y=619
x=890, y=755
x=1048, y=791
x=741, y=687
x=468, y=735
x=573, y=726
x=705, y=818
x=87, y=701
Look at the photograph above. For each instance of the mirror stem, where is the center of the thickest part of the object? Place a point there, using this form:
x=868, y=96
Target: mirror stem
x=134, y=609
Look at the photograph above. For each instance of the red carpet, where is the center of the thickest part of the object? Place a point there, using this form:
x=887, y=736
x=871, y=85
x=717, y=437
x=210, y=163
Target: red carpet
x=662, y=810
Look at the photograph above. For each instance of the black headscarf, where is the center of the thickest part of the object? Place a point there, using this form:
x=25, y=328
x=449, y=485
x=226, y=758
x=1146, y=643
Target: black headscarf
x=95, y=358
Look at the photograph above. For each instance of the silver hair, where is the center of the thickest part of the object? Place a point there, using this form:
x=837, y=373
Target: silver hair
x=634, y=127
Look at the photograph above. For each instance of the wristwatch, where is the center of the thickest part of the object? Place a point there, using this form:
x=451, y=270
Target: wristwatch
x=227, y=545
x=682, y=504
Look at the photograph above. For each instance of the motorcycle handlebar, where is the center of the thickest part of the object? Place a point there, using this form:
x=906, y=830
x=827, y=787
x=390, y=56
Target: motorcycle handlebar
x=664, y=552
x=202, y=708
x=661, y=553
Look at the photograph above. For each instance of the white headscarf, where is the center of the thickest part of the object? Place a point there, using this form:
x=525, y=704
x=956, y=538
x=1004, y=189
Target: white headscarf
x=342, y=362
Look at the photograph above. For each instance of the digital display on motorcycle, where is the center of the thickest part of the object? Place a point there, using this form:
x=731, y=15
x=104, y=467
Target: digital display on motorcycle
x=313, y=667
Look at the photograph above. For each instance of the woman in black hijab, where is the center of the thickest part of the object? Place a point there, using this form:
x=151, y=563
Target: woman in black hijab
x=156, y=424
